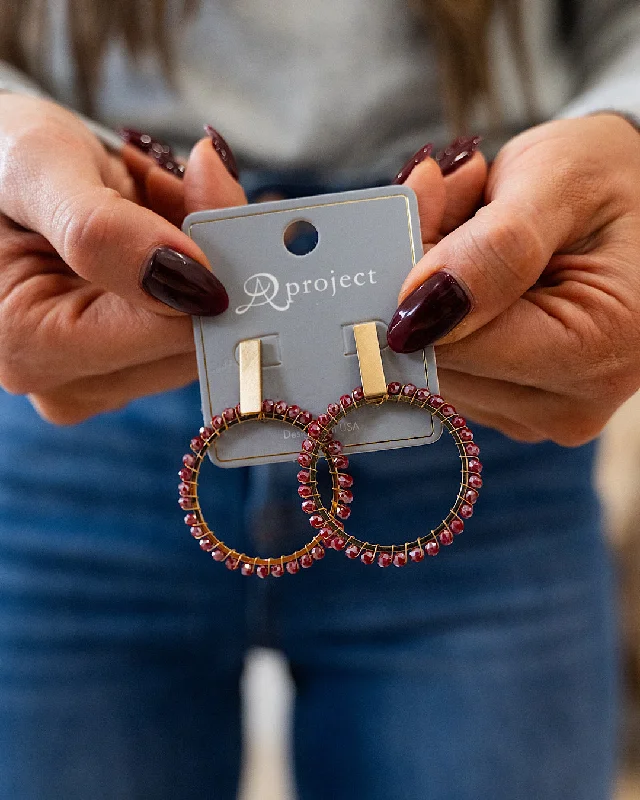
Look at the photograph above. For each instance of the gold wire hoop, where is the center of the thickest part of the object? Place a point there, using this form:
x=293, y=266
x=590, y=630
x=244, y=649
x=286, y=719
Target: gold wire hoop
x=278, y=411
x=333, y=533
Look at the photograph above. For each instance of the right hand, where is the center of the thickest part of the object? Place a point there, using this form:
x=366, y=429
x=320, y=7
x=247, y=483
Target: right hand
x=78, y=333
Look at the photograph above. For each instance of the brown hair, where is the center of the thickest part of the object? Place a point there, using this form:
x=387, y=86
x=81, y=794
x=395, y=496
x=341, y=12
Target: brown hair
x=459, y=28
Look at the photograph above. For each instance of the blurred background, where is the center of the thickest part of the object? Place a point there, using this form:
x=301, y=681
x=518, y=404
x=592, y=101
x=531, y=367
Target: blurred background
x=268, y=690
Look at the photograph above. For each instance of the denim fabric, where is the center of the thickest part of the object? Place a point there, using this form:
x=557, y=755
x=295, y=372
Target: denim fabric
x=487, y=673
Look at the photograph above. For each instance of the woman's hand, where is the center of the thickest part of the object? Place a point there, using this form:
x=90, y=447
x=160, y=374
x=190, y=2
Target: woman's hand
x=95, y=289
x=534, y=302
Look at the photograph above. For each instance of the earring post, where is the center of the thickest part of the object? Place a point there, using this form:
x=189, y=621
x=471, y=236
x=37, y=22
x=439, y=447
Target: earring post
x=250, y=361
x=374, y=383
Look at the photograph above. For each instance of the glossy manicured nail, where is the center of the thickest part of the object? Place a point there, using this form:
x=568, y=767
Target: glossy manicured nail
x=412, y=163
x=161, y=153
x=223, y=150
x=428, y=313
x=457, y=153
x=182, y=283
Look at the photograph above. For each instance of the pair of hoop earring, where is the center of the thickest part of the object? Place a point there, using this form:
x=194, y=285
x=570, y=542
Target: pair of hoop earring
x=328, y=524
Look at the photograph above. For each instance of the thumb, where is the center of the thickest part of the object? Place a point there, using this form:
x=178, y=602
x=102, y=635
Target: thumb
x=472, y=275
x=210, y=180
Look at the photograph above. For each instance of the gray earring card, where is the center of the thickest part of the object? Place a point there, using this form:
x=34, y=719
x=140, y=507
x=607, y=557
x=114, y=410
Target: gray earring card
x=300, y=274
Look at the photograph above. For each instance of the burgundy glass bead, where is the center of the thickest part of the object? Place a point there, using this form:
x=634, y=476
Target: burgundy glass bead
x=185, y=474
x=471, y=496
x=323, y=419
x=314, y=431
x=367, y=557
x=316, y=521
x=293, y=411
x=475, y=481
x=262, y=570
x=237, y=410
x=188, y=460
x=465, y=511
x=196, y=531
x=432, y=548
x=384, y=560
x=246, y=569
x=352, y=551
x=308, y=445
x=346, y=400
x=344, y=512
x=277, y=570
x=458, y=422
x=456, y=526
x=341, y=462
x=217, y=422
x=207, y=544
x=305, y=417
x=333, y=409
x=423, y=394
x=474, y=465
x=446, y=537
x=184, y=488
x=280, y=408
x=326, y=535
x=229, y=414
x=304, y=459
x=334, y=448
x=416, y=554
x=268, y=406
x=206, y=433
x=196, y=444
x=358, y=394
x=191, y=519
x=394, y=387
x=306, y=561
x=317, y=552
x=304, y=476
x=186, y=503
x=345, y=481
x=231, y=563
x=338, y=543
x=447, y=410
x=472, y=449
x=305, y=491
x=292, y=567
x=399, y=559
x=408, y=390
x=465, y=434
x=217, y=555
x=436, y=401
x=309, y=506
x=345, y=496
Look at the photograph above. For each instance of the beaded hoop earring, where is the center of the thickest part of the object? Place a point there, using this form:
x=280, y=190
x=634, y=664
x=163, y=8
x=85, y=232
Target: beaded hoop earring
x=332, y=532
x=278, y=411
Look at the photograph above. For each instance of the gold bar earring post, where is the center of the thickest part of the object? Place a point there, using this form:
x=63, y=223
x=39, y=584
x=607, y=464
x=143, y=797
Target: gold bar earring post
x=250, y=360
x=370, y=360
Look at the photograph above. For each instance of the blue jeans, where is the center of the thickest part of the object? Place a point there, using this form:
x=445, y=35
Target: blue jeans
x=486, y=673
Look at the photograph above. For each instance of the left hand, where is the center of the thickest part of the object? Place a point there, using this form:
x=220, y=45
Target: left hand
x=540, y=338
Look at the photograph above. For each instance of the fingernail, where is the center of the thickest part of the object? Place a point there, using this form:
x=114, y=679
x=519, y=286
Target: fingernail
x=224, y=151
x=457, y=153
x=422, y=154
x=182, y=283
x=161, y=153
x=428, y=313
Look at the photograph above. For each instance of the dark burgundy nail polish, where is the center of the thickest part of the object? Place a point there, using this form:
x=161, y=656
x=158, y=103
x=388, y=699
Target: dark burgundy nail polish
x=159, y=151
x=422, y=154
x=428, y=313
x=457, y=153
x=182, y=283
x=224, y=151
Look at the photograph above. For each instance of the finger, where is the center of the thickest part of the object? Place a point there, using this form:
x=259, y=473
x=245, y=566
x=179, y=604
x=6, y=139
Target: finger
x=107, y=240
x=165, y=195
x=522, y=412
x=208, y=183
x=78, y=400
x=427, y=182
x=464, y=193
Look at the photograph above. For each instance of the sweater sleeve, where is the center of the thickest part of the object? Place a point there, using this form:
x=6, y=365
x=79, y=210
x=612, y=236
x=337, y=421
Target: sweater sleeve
x=605, y=49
